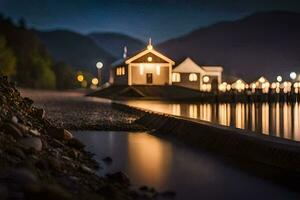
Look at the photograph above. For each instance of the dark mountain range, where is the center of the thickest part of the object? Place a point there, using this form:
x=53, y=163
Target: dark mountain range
x=80, y=51
x=261, y=44
x=114, y=43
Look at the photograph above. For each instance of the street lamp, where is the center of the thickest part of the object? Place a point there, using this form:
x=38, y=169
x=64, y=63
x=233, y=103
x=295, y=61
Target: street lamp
x=293, y=75
x=99, y=66
x=279, y=78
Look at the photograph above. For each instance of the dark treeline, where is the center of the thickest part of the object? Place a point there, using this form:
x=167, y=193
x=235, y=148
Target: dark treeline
x=25, y=59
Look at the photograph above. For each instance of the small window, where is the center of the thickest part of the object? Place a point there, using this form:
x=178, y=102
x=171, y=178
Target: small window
x=120, y=71
x=123, y=71
x=176, y=77
x=193, y=77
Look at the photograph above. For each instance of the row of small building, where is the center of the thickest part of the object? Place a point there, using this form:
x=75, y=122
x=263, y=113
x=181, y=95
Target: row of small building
x=149, y=67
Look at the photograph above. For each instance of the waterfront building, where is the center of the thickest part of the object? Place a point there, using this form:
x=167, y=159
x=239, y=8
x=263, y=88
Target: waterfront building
x=150, y=67
x=147, y=67
x=191, y=75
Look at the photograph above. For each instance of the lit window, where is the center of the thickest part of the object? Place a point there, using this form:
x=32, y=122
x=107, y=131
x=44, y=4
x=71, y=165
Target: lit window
x=176, y=77
x=120, y=71
x=141, y=69
x=157, y=69
x=205, y=79
x=149, y=59
x=123, y=71
x=193, y=77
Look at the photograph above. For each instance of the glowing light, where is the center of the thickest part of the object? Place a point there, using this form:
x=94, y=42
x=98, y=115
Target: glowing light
x=293, y=75
x=193, y=77
x=261, y=79
x=175, y=77
x=279, y=78
x=80, y=78
x=141, y=69
x=273, y=85
x=205, y=79
x=99, y=65
x=149, y=59
x=95, y=81
x=228, y=87
x=157, y=69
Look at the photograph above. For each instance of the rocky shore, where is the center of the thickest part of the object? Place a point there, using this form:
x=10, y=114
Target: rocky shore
x=41, y=160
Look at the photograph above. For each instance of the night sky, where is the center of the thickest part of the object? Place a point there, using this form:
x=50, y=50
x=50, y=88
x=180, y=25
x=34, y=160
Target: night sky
x=159, y=19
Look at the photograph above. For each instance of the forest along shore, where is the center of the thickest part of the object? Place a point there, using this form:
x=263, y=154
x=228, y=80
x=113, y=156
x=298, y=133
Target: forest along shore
x=40, y=160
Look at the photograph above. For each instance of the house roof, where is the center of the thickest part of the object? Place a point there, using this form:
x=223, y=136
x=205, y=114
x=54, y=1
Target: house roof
x=188, y=65
x=141, y=53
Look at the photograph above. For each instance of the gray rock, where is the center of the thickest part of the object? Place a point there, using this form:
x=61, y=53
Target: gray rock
x=86, y=169
x=34, y=132
x=32, y=142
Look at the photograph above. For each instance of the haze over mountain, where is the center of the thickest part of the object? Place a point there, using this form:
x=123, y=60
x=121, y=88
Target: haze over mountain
x=80, y=51
x=265, y=43
x=114, y=43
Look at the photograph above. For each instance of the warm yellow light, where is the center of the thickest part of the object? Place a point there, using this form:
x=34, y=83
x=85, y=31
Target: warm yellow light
x=95, y=81
x=141, y=69
x=273, y=85
x=80, y=78
x=175, y=77
x=253, y=85
x=205, y=79
x=157, y=69
x=149, y=59
x=228, y=87
x=193, y=77
x=149, y=47
x=261, y=79
x=99, y=65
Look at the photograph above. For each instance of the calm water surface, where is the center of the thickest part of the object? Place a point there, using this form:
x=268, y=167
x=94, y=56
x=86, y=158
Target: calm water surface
x=277, y=119
x=153, y=161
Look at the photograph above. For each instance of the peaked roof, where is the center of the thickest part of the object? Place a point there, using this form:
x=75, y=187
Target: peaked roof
x=188, y=65
x=141, y=53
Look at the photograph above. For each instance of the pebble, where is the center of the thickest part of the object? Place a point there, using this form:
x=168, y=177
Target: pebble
x=86, y=169
x=35, y=132
x=32, y=142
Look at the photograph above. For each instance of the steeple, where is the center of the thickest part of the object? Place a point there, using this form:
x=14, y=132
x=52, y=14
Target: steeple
x=125, y=52
x=149, y=47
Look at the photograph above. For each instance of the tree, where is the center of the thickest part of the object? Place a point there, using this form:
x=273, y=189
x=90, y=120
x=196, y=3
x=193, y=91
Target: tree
x=7, y=59
x=65, y=76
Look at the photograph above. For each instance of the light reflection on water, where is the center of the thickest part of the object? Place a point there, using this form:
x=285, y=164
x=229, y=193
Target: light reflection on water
x=193, y=175
x=276, y=119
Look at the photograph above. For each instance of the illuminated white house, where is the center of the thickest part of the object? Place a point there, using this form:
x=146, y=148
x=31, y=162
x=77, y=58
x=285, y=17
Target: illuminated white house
x=149, y=67
x=191, y=75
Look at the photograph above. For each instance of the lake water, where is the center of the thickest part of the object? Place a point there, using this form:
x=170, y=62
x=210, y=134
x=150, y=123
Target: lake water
x=276, y=119
x=153, y=161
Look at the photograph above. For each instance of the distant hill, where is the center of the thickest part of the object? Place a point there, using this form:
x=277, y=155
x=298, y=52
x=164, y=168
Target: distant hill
x=80, y=51
x=114, y=43
x=264, y=43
